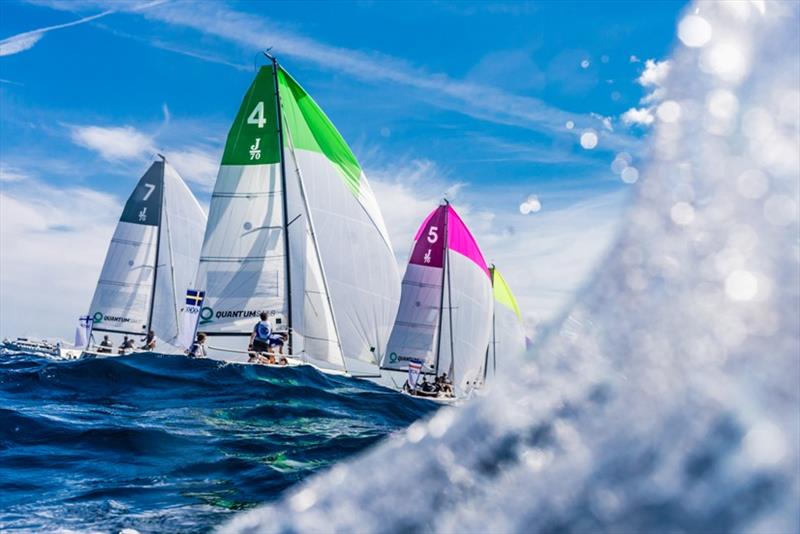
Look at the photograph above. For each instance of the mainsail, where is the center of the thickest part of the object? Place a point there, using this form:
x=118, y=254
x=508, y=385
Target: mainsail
x=508, y=330
x=151, y=258
x=294, y=231
x=445, y=312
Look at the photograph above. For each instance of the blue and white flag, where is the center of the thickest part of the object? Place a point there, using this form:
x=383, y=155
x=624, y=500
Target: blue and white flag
x=83, y=331
x=414, y=370
x=191, y=314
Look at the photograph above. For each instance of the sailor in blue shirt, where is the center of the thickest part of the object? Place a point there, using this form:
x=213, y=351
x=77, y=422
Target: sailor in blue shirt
x=259, y=339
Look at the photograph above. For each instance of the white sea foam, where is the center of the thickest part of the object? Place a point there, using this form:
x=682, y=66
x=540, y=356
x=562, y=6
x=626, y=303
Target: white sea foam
x=667, y=400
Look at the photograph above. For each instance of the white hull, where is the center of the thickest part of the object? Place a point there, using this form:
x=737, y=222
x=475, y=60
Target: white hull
x=394, y=380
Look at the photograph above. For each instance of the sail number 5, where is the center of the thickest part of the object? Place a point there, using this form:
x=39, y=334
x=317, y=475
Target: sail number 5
x=433, y=236
x=257, y=115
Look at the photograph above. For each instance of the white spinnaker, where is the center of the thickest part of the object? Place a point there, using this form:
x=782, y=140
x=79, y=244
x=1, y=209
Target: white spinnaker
x=315, y=336
x=182, y=224
x=508, y=343
x=122, y=297
x=415, y=328
x=242, y=263
x=468, y=298
x=358, y=262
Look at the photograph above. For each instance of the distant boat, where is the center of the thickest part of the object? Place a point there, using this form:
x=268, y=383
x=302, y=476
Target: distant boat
x=150, y=263
x=444, y=321
x=294, y=230
x=508, y=331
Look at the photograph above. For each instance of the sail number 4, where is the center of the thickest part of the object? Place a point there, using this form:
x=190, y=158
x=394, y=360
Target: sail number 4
x=257, y=116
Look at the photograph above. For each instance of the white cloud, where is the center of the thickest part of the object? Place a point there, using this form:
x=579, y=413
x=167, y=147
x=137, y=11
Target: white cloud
x=640, y=116
x=634, y=59
x=11, y=174
x=195, y=164
x=113, y=143
x=654, y=76
x=655, y=73
x=25, y=41
x=52, y=244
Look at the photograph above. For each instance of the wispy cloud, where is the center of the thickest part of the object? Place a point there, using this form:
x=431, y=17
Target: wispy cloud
x=24, y=41
x=113, y=143
x=469, y=97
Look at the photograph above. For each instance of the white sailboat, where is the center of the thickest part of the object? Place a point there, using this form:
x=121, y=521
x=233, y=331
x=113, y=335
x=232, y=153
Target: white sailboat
x=508, y=330
x=150, y=263
x=444, y=320
x=294, y=230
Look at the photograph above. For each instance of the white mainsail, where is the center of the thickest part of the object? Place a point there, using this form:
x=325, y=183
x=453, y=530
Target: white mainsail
x=446, y=304
x=151, y=259
x=294, y=231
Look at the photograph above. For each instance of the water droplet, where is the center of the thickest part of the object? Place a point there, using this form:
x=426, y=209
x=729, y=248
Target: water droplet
x=669, y=111
x=630, y=175
x=722, y=104
x=741, y=285
x=303, y=500
x=570, y=125
x=694, y=31
x=780, y=210
x=682, y=213
x=752, y=184
x=765, y=444
x=585, y=64
x=589, y=139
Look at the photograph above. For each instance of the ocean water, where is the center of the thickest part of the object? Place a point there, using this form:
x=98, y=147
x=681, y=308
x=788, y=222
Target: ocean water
x=166, y=443
x=667, y=399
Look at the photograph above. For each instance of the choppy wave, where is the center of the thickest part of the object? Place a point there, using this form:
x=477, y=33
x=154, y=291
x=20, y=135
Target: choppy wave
x=167, y=443
x=668, y=398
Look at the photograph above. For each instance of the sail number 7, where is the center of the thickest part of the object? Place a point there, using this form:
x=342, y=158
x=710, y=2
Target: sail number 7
x=150, y=188
x=257, y=115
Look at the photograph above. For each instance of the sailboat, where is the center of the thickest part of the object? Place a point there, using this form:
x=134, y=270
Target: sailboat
x=295, y=231
x=444, y=320
x=508, y=330
x=150, y=263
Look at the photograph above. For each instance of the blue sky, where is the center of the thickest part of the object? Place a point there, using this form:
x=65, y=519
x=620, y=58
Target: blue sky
x=468, y=99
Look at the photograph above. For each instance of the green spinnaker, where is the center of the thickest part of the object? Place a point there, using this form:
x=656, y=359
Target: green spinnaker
x=310, y=129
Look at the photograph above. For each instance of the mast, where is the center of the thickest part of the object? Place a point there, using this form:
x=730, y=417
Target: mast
x=494, y=338
x=285, y=204
x=158, y=248
x=441, y=295
x=450, y=309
